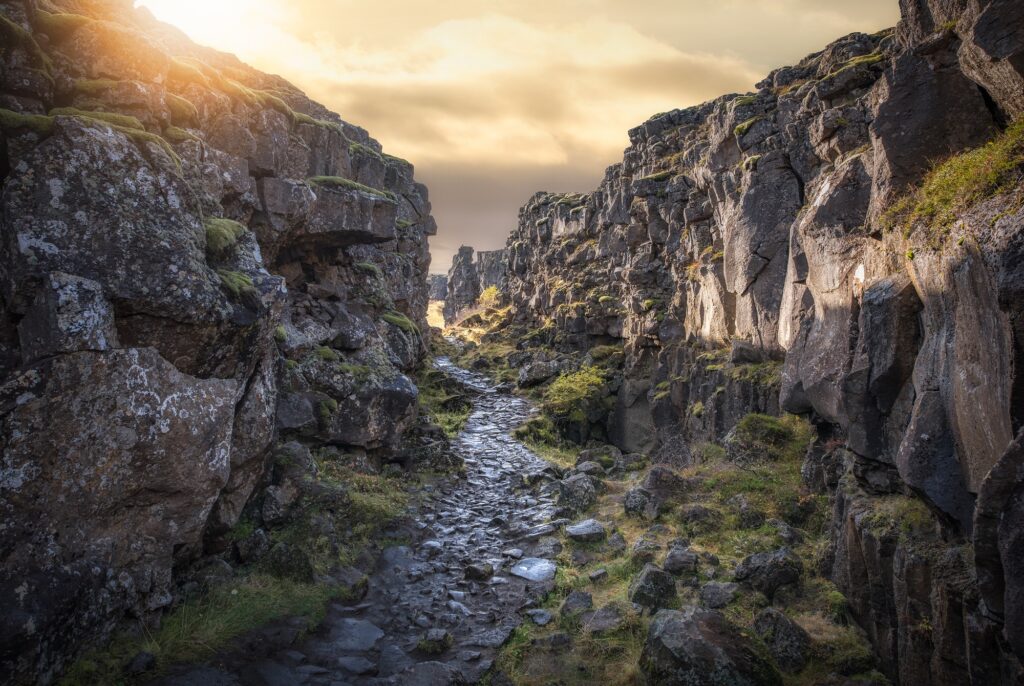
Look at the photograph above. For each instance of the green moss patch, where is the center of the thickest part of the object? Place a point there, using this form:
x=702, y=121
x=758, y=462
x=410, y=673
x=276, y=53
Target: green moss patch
x=222, y=234
x=236, y=283
x=402, y=322
x=15, y=121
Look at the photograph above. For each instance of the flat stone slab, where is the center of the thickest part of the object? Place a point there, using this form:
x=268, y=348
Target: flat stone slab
x=355, y=634
x=587, y=531
x=535, y=569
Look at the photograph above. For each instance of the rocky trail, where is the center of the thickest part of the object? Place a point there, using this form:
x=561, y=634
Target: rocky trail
x=441, y=606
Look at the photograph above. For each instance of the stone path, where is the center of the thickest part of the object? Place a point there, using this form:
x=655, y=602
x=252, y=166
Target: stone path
x=435, y=612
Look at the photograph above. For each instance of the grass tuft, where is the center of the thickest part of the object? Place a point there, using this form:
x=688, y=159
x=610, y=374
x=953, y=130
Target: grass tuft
x=339, y=182
x=958, y=183
x=222, y=234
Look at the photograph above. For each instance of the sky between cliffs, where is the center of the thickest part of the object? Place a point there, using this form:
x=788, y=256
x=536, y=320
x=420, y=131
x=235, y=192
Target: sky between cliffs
x=494, y=100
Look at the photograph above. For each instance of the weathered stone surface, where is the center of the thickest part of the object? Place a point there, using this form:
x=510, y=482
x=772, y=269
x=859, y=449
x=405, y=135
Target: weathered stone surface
x=653, y=588
x=698, y=646
x=767, y=572
x=786, y=640
x=587, y=531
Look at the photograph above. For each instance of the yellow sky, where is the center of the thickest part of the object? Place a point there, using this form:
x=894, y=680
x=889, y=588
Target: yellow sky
x=495, y=100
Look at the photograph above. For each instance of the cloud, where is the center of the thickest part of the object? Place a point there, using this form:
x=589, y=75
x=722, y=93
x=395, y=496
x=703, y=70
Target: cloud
x=495, y=99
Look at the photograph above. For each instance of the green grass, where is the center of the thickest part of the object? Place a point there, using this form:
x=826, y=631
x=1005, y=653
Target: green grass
x=39, y=124
x=744, y=100
x=360, y=149
x=775, y=438
x=402, y=322
x=327, y=354
x=742, y=128
x=237, y=283
x=182, y=110
x=15, y=35
x=540, y=435
x=369, y=269
x=202, y=625
x=571, y=391
x=339, y=182
x=176, y=135
x=94, y=87
x=490, y=298
x=222, y=234
x=442, y=400
x=59, y=26
x=657, y=176
x=123, y=121
x=963, y=180
x=760, y=373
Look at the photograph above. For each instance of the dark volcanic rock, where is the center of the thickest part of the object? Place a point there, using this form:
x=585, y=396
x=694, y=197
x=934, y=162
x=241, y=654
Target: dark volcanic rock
x=698, y=646
x=786, y=640
x=767, y=572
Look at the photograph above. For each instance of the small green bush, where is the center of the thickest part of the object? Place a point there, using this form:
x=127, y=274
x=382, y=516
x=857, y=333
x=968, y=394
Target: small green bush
x=222, y=234
x=490, y=298
x=568, y=395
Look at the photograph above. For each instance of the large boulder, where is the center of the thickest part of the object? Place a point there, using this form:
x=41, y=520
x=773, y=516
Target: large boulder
x=767, y=572
x=696, y=646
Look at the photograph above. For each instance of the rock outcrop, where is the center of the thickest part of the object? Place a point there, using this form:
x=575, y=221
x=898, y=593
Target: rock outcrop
x=463, y=284
x=438, y=285
x=469, y=277
x=197, y=263
x=771, y=252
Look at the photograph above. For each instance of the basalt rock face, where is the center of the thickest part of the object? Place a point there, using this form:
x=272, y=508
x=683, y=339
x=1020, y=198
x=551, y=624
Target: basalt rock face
x=742, y=254
x=197, y=263
x=469, y=277
x=438, y=284
x=463, y=284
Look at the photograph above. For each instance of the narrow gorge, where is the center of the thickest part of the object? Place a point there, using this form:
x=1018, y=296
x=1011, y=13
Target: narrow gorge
x=748, y=413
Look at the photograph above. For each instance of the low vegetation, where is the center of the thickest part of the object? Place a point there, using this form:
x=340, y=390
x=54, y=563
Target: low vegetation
x=960, y=182
x=349, y=184
x=222, y=234
x=443, y=400
x=204, y=624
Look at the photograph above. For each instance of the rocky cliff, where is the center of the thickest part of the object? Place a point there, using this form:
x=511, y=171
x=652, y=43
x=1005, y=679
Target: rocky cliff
x=469, y=277
x=198, y=263
x=843, y=243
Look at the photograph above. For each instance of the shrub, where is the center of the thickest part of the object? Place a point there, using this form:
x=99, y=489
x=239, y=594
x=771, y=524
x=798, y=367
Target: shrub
x=568, y=395
x=222, y=234
x=490, y=298
x=773, y=438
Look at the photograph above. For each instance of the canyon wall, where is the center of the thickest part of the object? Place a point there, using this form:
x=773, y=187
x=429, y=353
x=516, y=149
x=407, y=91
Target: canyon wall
x=197, y=264
x=755, y=254
x=470, y=276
